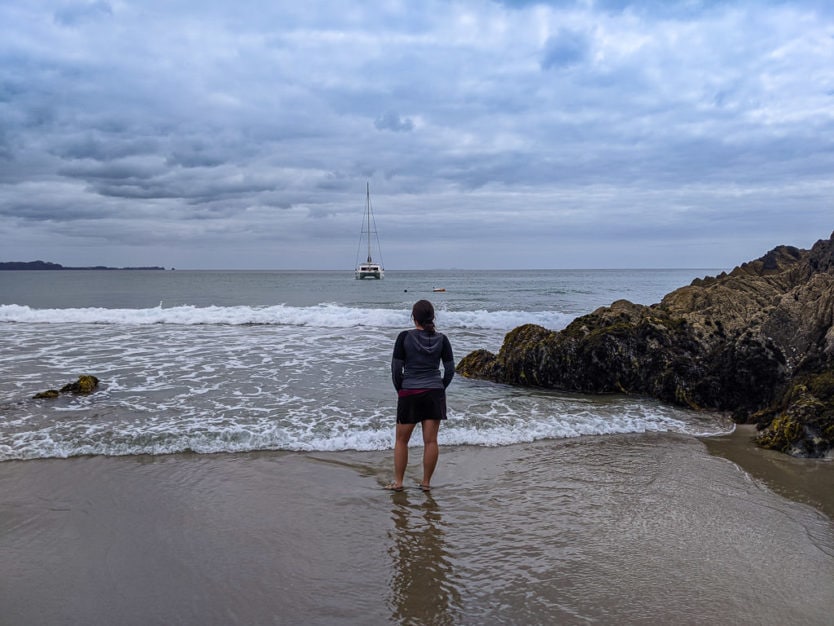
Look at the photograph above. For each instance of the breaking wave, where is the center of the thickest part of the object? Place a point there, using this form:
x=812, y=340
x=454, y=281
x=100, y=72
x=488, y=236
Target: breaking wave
x=320, y=316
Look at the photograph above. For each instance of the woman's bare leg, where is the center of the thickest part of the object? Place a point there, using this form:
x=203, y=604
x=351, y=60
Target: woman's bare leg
x=430, y=450
x=401, y=452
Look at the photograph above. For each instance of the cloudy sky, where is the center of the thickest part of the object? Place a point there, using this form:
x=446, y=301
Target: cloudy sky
x=552, y=134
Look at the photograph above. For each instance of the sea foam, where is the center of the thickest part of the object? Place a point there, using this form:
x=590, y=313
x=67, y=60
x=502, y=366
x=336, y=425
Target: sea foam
x=320, y=316
x=205, y=437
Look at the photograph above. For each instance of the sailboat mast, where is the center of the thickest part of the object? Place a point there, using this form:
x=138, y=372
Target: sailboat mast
x=368, y=210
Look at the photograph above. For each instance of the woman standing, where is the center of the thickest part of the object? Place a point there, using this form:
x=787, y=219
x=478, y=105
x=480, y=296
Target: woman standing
x=421, y=390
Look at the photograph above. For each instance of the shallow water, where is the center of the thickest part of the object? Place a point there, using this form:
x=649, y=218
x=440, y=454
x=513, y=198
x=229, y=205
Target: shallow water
x=241, y=361
x=610, y=529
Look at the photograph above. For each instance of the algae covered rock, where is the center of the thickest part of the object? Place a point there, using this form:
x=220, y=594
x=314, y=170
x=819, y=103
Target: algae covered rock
x=49, y=393
x=479, y=364
x=86, y=384
x=629, y=348
x=735, y=342
x=804, y=421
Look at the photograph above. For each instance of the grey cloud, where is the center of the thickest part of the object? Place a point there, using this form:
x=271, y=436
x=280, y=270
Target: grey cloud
x=260, y=125
x=44, y=208
x=564, y=49
x=233, y=189
x=74, y=13
x=656, y=7
x=391, y=120
x=5, y=146
x=194, y=156
x=111, y=171
x=104, y=148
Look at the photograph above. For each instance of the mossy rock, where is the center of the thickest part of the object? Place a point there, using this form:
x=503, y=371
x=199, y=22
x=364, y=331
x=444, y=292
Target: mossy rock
x=49, y=393
x=782, y=434
x=478, y=364
x=757, y=342
x=85, y=385
x=804, y=425
x=822, y=385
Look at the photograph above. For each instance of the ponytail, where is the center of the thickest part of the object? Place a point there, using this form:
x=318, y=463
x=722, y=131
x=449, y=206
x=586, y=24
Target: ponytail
x=423, y=313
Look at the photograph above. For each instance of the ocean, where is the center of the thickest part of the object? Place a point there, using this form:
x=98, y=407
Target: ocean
x=229, y=470
x=208, y=361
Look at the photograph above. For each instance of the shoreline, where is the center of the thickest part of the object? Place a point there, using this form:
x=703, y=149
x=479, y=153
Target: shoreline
x=807, y=481
x=569, y=531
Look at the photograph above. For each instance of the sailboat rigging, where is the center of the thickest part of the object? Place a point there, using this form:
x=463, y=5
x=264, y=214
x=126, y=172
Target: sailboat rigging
x=368, y=268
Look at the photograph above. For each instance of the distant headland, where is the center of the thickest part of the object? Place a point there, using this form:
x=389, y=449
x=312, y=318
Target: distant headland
x=45, y=265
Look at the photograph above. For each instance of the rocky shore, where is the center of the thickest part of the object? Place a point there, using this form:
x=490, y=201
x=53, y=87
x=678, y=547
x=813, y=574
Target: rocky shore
x=757, y=342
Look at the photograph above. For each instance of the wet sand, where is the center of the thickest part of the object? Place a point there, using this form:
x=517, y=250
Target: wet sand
x=621, y=529
x=810, y=481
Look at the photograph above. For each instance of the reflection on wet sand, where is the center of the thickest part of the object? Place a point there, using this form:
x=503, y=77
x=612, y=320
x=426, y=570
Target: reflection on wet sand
x=424, y=589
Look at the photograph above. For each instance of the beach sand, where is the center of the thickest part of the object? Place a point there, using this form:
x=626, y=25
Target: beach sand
x=810, y=481
x=652, y=528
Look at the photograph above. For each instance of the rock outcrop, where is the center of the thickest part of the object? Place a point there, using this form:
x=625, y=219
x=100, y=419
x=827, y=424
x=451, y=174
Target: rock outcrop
x=85, y=385
x=757, y=342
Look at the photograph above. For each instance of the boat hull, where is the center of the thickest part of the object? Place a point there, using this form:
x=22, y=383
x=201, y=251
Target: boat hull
x=373, y=273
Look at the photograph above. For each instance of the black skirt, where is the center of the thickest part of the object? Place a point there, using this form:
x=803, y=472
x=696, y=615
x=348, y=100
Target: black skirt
x=429, y=404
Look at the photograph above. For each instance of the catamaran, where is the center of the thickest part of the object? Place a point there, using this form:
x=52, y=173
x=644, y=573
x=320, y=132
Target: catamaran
x=369, y=269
